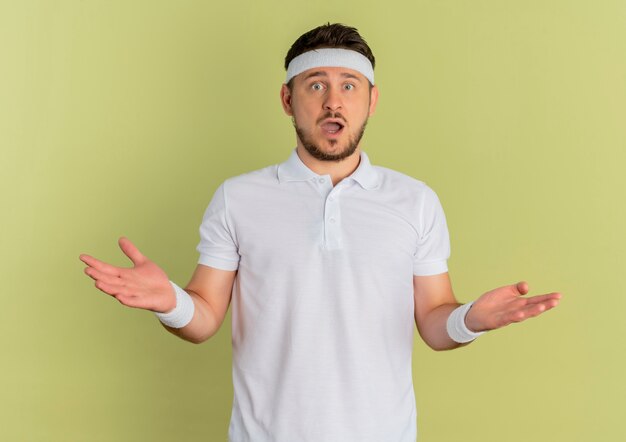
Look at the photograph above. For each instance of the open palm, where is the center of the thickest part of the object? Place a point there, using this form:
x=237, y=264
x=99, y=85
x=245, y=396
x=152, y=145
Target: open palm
x=505, y=305
x=145, y=285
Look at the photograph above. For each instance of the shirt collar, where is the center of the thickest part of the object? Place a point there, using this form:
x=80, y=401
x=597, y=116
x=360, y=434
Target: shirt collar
x=295, y=170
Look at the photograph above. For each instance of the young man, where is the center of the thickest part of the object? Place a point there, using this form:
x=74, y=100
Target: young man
x=330, y=261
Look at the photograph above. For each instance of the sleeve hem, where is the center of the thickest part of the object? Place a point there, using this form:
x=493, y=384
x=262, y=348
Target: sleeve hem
x=430, y=268
x=220, y=264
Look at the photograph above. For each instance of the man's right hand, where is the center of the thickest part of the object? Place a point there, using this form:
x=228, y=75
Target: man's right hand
x=145, y=285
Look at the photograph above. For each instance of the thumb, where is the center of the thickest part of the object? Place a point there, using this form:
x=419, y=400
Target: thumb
x=522, y=287
x=131, y=251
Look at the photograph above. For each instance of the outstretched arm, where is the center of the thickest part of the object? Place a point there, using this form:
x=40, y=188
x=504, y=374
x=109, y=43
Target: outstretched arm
x=146, y=286
x=435, y=301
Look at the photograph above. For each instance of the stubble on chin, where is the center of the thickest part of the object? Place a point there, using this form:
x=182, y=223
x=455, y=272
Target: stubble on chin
x=316, y=152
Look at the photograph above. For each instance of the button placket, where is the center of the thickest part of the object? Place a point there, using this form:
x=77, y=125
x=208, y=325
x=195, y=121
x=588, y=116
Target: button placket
x=332, y=220
x=322, y=184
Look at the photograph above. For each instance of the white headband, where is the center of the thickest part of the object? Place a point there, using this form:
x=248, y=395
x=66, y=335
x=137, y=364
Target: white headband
x=331, y=57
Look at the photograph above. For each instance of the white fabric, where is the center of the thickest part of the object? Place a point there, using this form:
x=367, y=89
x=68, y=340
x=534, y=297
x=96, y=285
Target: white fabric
x=182, y=313
x=457, y=330
x=322, y=306
x=331, y=57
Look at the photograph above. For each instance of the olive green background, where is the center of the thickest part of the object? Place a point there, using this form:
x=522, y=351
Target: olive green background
x=122, y=117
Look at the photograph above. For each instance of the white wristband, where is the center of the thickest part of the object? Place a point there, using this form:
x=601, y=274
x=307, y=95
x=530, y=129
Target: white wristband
x=456, y=327
x=182, y=313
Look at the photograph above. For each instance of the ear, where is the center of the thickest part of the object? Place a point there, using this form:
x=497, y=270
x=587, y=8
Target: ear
x=373, y=100
x=285, y=99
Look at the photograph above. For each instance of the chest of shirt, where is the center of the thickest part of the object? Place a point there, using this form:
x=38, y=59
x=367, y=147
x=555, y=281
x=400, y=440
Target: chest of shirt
x=298, y=219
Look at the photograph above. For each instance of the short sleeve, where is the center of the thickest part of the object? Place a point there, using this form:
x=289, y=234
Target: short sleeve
x=217, y=245
x=433, y=247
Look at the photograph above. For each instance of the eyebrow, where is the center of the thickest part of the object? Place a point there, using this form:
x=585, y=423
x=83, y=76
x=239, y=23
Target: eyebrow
x=325, y=74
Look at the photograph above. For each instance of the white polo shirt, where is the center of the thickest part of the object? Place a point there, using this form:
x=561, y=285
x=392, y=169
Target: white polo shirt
x=322, y=306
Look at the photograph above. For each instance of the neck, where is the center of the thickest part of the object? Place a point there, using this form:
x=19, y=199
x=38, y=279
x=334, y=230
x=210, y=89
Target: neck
x=337, y=170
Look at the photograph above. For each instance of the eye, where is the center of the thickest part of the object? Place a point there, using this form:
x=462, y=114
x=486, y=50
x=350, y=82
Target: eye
x=348, y=86
x=317, y=86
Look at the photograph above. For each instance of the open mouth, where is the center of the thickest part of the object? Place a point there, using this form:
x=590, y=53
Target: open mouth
x=332, y=127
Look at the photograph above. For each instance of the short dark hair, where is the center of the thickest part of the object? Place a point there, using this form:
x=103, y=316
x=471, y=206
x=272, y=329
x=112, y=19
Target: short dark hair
x=335, y=35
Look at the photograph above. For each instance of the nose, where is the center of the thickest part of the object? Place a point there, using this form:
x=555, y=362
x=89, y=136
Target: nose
x=332, y=100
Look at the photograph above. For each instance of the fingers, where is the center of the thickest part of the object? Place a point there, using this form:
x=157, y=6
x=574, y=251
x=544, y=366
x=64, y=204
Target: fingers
x=101, y=276
x=112, y=289
x=115, y=287
x=118, y=282
x=550, y=298
x=535, y=307
x=117, y=290
x=100, y=265
x=131, y=251
x=125, y=295
x=547, y=298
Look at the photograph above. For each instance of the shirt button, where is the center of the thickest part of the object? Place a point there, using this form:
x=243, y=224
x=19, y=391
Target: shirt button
x=332, y=220
x=332, y=198
x=321, y=180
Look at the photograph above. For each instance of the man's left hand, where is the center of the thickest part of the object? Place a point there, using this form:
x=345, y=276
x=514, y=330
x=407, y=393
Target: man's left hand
x=502, y=306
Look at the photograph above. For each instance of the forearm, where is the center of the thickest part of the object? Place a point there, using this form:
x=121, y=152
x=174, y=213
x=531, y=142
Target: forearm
x=202, y=326
x=432, y=328
x=435, y=302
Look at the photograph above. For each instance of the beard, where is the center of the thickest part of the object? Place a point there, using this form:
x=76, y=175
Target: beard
x=316, y=152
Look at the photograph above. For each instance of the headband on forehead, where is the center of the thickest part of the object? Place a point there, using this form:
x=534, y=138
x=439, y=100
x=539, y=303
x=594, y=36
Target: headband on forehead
x=330, y=57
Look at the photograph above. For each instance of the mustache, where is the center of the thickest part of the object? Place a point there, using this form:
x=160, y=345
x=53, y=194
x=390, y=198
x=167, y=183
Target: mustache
x=331, y=115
